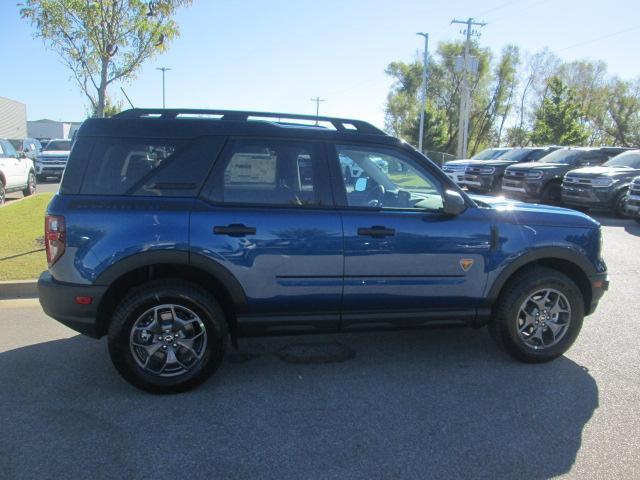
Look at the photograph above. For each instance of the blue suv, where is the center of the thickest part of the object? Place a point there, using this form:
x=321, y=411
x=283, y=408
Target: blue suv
x=176, y=232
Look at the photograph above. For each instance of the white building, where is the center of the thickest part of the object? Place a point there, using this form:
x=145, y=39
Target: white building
x=13, y=119
x=46, y=128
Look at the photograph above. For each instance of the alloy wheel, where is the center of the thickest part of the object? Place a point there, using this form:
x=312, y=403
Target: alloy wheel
x=543, y=319
x=168, y=340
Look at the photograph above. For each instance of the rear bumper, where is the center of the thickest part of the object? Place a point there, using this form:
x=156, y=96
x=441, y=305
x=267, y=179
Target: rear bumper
x=599, y=285
x=58, y=300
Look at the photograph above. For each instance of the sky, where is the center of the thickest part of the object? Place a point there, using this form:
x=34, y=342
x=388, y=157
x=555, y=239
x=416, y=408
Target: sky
x=275, y=55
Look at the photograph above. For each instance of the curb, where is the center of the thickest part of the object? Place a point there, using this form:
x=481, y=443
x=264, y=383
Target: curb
x=19, y=289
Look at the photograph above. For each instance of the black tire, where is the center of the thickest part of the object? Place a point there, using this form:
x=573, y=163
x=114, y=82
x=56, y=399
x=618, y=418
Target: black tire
x=3, y=194
x=552, y=194
x=31, y=185
x=619, y=205
x=504, y=324
x=161, y=292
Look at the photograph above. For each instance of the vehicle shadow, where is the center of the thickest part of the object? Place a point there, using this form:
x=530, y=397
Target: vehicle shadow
x=629, y=224
x=416, y=404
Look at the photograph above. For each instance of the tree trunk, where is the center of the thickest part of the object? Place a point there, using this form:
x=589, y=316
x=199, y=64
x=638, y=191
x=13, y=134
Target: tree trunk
x=102, y=89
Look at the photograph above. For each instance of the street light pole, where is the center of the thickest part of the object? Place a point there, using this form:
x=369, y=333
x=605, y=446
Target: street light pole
x=424, y=88
x=163, y=70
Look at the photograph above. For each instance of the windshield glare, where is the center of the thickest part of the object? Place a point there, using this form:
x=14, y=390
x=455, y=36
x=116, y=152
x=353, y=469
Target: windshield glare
x=58, y=145
x=626, y=159
x=488, y=154
x=567, y=157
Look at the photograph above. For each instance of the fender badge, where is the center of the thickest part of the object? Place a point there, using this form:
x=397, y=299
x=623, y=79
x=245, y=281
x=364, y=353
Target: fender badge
x=466, y=264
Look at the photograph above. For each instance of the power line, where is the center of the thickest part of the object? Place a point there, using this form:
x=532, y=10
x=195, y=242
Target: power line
x=597, y=39
x=482, y=14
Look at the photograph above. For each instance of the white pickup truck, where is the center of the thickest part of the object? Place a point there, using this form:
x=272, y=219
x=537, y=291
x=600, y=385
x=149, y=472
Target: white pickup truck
x=16, y=172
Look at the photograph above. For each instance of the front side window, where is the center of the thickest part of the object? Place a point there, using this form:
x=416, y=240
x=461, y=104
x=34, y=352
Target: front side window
x=382, y=178
x=7, y=150
x=269, y=172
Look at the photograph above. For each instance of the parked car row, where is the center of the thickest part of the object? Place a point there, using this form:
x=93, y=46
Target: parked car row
x=578, y=177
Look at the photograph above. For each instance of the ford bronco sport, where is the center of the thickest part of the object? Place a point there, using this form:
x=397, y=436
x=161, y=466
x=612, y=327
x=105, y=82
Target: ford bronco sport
x=175, y=231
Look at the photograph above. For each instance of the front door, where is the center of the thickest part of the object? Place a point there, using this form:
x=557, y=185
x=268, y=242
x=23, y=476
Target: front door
x=267, y=216
x=405, y=261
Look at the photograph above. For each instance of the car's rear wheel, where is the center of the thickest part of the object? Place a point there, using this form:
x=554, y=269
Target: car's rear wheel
x=31, y=185
x=619, y=206
x=538, y=316
x=167, y=336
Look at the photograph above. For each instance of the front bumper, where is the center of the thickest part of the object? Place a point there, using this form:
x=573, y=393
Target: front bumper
x=589, y=197
x=522, y=189
x=480, y=183
x=51, y=170
x=599, y=285
x=58, y=300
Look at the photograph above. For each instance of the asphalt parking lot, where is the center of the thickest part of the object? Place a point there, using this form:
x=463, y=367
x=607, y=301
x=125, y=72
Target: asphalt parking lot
x=43, y=187
x=440, y=403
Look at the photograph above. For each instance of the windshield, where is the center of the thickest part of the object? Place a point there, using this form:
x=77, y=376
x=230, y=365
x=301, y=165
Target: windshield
x=566, y=157
x=517, y=154
x=489, y=154
x=58, y=145
x=626, y=159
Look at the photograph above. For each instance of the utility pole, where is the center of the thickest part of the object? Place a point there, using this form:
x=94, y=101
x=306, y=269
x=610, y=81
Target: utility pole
x=163, y=70
x=465, y=100
x=317, y=100
x=424, y=88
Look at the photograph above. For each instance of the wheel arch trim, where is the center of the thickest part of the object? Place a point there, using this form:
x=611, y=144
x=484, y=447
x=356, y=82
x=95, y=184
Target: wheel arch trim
x=530, y=258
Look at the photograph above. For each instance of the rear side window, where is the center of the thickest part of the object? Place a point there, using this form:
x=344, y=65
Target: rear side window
x=149, y=167
x=270, y=172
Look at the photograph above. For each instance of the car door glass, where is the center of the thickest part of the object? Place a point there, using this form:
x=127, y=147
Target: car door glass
x=269, y=172
x=383, y=178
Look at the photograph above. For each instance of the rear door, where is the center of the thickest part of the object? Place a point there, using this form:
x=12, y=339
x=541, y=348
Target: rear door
x=11, y=165
x=405, y=261
x=266, y=215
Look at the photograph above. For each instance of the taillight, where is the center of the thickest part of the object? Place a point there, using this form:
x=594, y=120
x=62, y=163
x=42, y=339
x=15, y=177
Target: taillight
x=54, y=237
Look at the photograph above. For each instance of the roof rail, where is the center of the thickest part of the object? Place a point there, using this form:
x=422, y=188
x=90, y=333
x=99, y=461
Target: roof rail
x=340, y=124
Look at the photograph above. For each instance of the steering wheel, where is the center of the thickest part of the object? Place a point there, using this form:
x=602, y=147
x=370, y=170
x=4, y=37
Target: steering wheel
x=375, y=196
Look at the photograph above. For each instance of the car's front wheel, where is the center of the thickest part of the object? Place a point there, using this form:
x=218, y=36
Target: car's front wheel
x=167, y=336
x=538, y=316
x=620, y=204
x=3, y=193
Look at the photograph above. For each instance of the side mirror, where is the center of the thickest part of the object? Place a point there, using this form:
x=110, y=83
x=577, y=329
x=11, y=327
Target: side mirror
x=454, y=204
x=361, y=185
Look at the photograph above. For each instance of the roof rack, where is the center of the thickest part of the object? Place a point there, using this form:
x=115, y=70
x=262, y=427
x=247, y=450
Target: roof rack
x=340, y=124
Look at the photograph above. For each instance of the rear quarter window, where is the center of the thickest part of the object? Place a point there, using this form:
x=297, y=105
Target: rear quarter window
x=149, y=167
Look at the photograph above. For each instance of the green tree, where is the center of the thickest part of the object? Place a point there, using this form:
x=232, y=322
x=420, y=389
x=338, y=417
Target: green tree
x=103, y=41
x=623, y=112
x=558, y=117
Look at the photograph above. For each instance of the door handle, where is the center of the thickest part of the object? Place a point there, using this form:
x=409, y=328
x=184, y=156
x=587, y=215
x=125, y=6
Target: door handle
x=377, y=231
x=234, y=230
